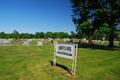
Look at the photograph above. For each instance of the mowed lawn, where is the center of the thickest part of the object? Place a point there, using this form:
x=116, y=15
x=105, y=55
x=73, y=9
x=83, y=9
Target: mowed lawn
x=33, y=62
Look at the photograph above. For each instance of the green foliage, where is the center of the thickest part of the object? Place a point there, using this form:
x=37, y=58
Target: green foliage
x=117, y=35
x=98, y=35
x=55, y=35
x=42, y=35
x=102, y=14
x=2, y=35
x=15, y=34
x=48, y=34
x=73, y=35
x=36, y=35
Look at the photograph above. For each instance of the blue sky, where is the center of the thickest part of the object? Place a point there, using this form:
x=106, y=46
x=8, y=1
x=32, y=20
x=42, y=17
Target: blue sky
x=31, y=16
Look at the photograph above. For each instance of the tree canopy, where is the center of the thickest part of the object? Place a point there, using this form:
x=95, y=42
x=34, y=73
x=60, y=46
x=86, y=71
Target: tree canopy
x=92, y=15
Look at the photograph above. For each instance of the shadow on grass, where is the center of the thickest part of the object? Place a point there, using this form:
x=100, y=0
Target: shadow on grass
x=64, y=67
x=96, y=46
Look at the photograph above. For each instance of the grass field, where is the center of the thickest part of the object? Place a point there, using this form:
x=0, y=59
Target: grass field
x=33, y=62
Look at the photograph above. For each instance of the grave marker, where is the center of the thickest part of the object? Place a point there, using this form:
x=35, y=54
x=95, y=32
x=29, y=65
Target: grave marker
x=45, y=40
x=5, y=42
x=39, y=43
x=17, y=41
x=25, y=43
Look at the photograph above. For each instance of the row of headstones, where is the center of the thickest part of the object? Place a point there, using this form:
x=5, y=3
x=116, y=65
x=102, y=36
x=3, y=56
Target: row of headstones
x=101, y=42
x=6, y=42
x=53, y=42
x=95, y=41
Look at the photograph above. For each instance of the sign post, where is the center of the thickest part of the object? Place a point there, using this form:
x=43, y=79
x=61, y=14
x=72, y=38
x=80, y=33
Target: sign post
x=68, y=51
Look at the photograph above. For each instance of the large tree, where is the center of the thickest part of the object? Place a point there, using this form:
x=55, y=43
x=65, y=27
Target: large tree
x=90, y=15
x=110, y=14
x=83, y=16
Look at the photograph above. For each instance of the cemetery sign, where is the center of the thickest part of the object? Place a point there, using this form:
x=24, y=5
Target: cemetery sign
x=68, y=51
x=65, y=50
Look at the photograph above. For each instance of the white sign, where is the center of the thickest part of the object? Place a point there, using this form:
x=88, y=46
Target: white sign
x=65, y=50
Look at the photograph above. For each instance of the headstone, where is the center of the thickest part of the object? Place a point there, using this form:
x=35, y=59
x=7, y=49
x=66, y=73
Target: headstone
x=10, y=39
x=5, y=42
x=87, y=41
x=29, y=40
x=39, y=43
x=83, y=39
x=45, y=41
x=17, y=41
x=25, y=43
x=93, y=42
x=101, y=42
x=79, y=41
x=49, y=39
x=54, y=42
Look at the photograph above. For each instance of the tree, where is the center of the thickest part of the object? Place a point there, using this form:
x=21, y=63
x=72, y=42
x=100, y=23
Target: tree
x=37, y=34
x=117, y=35
x=15, y=34
x=32, y=35
x=73, y=35
x=110, y=14
x=2, y=35
x=55, y=35
x=83, y=16
x=48, y=34
x=42, y=35
x=8, y=35
x=26, y=35
x=61, y=35
x=81, y=34
x=100, y=13
x=65, y=35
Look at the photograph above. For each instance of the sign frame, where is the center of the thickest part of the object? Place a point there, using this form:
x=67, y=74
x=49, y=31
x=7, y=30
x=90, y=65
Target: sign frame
x=70, y=54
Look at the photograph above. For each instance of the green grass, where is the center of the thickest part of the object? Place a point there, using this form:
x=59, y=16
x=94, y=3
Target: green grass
x=33, y=62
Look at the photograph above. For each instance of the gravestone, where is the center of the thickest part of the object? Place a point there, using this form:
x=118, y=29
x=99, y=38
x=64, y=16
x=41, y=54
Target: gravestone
x=49, y=39
x=87, y=41
x=79, y=42
x=29, y=40
x=45, y=40
x=83, y=39
x=10, y=39
x=54, y=42
x=93, y=42
x=39, y=43
x=101, y=42
x=25, y=43
x=5, y=42
x=17, y=41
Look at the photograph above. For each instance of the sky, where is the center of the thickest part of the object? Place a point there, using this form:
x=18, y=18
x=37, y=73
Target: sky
x=31, y=16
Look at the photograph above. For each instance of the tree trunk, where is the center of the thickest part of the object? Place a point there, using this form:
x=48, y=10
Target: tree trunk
x=90, y=39
x=111, y=38
x=91, y=35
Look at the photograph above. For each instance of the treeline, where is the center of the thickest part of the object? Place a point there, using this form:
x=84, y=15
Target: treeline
x=97, y=36
x=54, y=35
